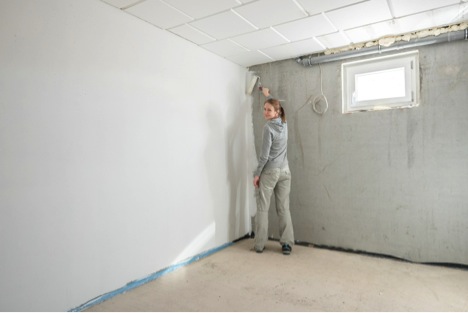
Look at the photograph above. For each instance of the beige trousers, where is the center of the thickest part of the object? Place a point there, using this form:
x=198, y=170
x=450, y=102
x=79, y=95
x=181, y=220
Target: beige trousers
x=278, y=182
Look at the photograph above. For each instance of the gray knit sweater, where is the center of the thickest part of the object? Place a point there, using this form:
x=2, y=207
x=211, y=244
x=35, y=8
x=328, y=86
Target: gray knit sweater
x=274, y=147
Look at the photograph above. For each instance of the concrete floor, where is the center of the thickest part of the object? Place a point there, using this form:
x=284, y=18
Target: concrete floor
x=310, y=279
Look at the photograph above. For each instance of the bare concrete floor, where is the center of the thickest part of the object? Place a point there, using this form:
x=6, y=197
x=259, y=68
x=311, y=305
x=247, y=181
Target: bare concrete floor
x=310, y=279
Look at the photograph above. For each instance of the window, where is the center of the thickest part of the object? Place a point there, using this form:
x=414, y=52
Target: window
x=381, y=83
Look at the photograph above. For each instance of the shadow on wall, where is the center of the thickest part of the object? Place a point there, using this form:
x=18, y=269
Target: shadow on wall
x=233, y=146
x=239, y=169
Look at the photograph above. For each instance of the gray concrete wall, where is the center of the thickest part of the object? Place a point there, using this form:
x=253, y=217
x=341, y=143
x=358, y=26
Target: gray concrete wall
x=391, y=182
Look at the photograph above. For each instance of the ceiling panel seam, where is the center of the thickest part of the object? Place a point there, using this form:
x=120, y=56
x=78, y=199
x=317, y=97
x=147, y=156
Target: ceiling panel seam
x=390, y=7
x=132, y=4
x=245, y=19
x=280, y=34
x=300, y=7
x=238, y=44
x=197, y=30
x=329, y=21
x=266, y=55
x=176, y=9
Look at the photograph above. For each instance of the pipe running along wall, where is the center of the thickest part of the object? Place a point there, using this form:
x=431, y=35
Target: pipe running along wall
x=389, y=44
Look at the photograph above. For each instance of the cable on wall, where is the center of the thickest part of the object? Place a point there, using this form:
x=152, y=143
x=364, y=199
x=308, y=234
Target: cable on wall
x=317, y=99
x=320, y=97
x=314, y=103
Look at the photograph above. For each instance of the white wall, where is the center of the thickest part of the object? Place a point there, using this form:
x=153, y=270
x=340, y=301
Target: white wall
x=122, y=151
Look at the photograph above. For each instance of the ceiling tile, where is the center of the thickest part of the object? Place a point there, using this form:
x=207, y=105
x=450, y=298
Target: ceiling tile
x=314, y=7
x=411, y=23
x=224, y=48
x=260, y=39
x=450, y=16
x=223, y=25
x=121, y=3
x=360, y=14
x=194, y=35
x=158, y=13
x=372, y=32
x=440, y=17
x=266, y=13
x=405, y=7
x=202, y=8
x=250, y=58
x=334, y=40
x=294, y=49
x=250, y=32
x=306, y=28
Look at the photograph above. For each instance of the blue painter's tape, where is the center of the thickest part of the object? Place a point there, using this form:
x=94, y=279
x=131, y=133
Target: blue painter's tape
x=134, y=284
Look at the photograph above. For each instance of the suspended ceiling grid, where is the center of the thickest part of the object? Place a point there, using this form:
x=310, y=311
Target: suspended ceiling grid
x=252, y=32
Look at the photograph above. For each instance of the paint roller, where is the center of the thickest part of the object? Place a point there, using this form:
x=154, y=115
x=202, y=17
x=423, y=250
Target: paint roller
x=252, y=84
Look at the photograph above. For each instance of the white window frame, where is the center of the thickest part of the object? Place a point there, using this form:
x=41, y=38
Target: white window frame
x=351, y=70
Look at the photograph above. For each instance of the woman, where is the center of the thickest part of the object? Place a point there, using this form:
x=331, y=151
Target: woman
x=272, y=176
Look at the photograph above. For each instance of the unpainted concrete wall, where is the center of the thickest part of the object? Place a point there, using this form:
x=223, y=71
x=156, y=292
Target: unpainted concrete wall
x=391, y=182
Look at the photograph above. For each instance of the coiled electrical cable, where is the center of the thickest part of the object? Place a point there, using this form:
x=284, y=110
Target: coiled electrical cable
x=320, y=97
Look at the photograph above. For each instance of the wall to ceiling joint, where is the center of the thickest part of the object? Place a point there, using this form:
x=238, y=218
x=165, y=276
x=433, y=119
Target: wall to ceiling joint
x=387, y=41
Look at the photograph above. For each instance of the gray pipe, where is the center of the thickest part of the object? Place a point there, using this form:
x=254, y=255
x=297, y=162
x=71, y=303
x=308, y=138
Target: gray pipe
x=446, y=37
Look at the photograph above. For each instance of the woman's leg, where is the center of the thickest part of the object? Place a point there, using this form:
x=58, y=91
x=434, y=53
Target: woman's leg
x=282, y=190
x=268, y=181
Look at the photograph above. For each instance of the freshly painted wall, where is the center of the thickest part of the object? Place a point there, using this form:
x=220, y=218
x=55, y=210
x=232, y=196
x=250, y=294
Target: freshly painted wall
x=390, y=182
x=123, y=150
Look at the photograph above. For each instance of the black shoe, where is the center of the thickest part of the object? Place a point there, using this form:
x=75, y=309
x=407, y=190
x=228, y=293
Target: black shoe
x=286, y=249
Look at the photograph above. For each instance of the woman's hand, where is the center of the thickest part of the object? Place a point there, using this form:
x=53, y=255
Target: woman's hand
x=256, y=181
x=266, y=91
